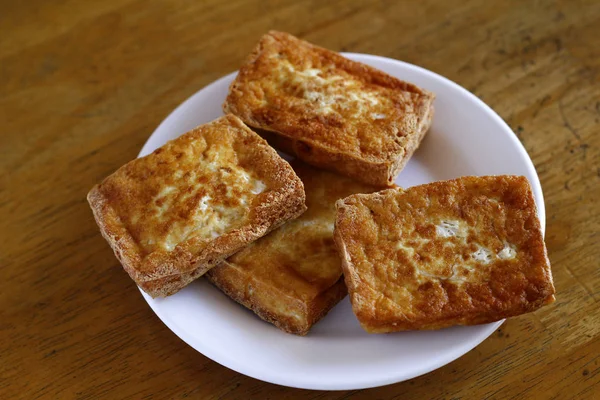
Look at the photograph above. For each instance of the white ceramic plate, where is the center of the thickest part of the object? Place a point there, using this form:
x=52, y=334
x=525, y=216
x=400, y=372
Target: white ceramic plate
x=467, y=138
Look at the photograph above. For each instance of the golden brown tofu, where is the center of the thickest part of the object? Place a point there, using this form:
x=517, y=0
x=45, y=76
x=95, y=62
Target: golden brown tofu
x=329, y=111
x=459, y=252
x=293, y=276
x=174, y=214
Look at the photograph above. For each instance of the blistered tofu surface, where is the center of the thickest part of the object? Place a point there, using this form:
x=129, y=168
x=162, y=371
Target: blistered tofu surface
x=453, y=252
x=315, y=95
x=199, y=185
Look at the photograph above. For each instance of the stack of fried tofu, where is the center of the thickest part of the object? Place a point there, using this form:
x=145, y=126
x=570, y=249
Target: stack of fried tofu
x=290, y=240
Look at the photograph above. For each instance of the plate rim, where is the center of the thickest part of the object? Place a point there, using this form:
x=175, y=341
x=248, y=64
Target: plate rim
x=303, y=383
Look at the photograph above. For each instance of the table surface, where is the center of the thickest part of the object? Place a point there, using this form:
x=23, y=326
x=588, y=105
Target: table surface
x=82, y=86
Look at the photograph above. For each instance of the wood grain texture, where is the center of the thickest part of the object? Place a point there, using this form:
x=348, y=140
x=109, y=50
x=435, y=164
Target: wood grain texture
x=83, y=84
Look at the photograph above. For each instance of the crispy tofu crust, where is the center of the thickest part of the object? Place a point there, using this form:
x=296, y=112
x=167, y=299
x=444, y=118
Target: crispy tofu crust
x=176, y=213
x=460, y=252
x=329, y=111
x=293, y=276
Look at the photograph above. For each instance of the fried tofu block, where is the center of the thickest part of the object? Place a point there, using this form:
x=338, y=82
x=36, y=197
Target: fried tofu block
x=329, y=111
x=176, y=213
x=293, y=276
x=460, y=252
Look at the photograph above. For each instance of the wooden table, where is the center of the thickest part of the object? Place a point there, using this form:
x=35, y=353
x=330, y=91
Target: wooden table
x=83, y=84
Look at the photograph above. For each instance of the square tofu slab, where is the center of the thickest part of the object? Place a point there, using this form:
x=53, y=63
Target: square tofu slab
x=459, y=252
x=330, y=111
x=176, y=213
x=293, y=276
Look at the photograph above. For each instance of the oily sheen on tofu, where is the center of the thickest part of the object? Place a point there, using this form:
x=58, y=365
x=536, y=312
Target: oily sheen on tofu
x=330, y=111
x=460, y=252
x=176, y=213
